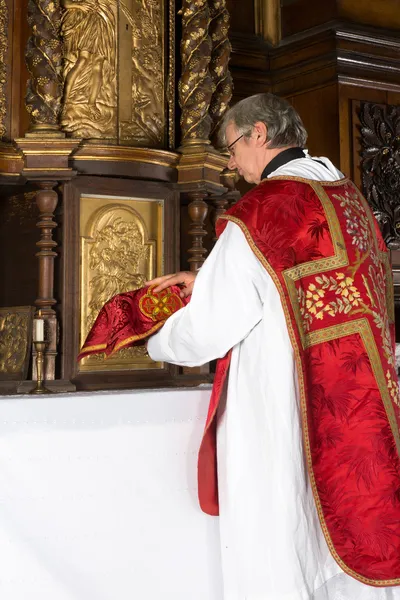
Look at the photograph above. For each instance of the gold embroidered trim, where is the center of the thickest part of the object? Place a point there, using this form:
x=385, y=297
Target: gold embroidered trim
x=86, y=349
x=337, y=261
x=375, y=362
x=123, y=343
x=135, y=338
x=338, y=182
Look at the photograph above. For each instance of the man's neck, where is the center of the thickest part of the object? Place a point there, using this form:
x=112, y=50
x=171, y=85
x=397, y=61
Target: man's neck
x=280, y=158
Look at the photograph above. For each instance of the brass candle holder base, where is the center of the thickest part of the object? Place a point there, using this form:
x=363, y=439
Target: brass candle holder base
x=40, y=387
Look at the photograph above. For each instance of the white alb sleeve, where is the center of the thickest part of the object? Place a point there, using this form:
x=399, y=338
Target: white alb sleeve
x=227, y=302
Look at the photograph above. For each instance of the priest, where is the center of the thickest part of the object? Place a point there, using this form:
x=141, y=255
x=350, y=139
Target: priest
x=300, y=456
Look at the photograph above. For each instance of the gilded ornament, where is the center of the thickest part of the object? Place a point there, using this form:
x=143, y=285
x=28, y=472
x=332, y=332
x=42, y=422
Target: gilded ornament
x=221, y=52
x=44, y=62
x=146, y=125
x=117, y=256
x=90, y=69
x=15, y=336
x=171, y=76
x=3, y=58
x=196, y=85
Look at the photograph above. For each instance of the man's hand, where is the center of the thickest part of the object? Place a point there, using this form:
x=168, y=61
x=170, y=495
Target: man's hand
x=184, y=279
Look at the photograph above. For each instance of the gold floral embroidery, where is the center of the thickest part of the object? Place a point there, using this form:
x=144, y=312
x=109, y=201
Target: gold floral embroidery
x=357, y=224
x=312, y=303
x=314, y=300
x=393, y=388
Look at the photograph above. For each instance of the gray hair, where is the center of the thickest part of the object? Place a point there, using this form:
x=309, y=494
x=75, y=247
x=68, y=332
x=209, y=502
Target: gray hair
x=284, y=125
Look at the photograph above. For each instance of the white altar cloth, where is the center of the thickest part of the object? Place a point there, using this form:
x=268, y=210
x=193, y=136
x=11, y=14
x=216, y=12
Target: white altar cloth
x=98, y=498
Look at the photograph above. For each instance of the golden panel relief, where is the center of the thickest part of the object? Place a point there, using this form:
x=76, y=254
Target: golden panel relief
x=15, y=341
x=114, y=70
x=141, y=88
x=90, y=93
x=121, y=248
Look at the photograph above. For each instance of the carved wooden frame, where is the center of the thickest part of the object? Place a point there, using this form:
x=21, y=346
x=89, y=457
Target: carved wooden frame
x=70, y=279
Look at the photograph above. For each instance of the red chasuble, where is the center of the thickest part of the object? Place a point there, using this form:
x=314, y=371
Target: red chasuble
x=129, y=318
x=322, y=248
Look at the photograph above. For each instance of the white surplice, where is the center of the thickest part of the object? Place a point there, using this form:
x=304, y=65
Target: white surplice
x=272, y=545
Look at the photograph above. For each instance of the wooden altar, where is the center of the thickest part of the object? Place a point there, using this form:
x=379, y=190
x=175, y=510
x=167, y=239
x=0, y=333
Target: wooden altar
x=109, y=172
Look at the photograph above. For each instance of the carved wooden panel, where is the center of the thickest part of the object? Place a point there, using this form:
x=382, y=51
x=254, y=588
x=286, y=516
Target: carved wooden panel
x=380, y=166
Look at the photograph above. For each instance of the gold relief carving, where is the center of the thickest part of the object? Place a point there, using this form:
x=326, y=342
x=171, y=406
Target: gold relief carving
x=121, y=248
x=171, y=76
x=90, y=68
x=221, y=51
x=15, y=340
x=44, y=57
x=3, y=74
x=196, y=85
x=142, y=104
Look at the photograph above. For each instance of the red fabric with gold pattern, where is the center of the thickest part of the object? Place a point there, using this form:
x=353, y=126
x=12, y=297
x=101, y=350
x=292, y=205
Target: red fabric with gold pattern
x=129, y=318
x=320, y=244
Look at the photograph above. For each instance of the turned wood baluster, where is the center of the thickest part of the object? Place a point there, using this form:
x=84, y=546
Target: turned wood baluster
x=47, y=200
x=220, y=205
x=197, y=212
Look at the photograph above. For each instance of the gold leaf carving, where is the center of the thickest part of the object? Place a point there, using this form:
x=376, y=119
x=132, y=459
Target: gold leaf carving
x=14, y=341
x=117, y=256
x=196, y=85
x=3, y=54
x=90, y=72
x=44, y=61
x=116, y=259
x=146, y=125
x=221, y=51
x=171, y=75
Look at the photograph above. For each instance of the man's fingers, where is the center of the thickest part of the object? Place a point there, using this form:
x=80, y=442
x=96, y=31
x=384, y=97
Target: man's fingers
x=158, y=280
x=165, y=281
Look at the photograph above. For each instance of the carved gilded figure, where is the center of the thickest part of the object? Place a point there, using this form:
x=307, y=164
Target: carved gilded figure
x=147, y=124
x=89, y=32
x=116, y=260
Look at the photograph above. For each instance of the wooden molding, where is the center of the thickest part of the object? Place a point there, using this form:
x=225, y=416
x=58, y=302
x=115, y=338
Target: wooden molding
x=268, y=20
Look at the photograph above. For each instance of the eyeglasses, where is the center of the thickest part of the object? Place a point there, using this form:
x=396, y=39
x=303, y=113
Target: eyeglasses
x=230, y=147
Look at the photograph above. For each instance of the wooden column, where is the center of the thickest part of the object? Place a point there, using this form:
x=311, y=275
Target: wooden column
x=46, y=152
x=46, y=165
x=220, y=205
x=47, y=200
x=198, y=210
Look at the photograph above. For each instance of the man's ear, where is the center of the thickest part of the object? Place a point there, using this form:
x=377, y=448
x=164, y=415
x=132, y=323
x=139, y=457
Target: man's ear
x=260, y=133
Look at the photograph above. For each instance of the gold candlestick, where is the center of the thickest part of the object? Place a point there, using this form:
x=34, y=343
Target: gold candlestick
x=40, y=388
